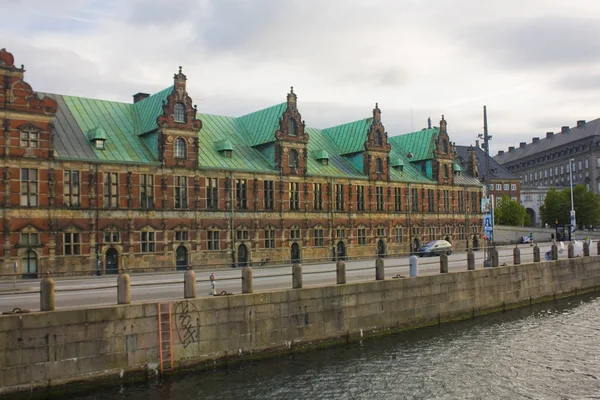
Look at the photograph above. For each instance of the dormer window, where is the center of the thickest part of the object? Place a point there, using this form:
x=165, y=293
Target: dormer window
x=378, y=138
x=179, y=113
x=293, y=159
x=180, y=148
x=292, y=127
x=396, y=163
x=97, y=136
x=323, y=156
x=224, y=147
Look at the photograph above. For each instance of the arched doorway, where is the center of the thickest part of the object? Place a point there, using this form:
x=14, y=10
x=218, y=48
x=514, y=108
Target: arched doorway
x=416, y=245
x=242, y=255
x=380, y=249
x=295, y=253
x=181, y=258
x=340, y=251
x=531, y=216
x=29, y=264
x=112, y=261
x=475, y=243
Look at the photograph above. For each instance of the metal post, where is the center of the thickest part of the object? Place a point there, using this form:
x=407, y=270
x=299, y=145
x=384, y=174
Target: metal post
x=247, y=283
x=573, y=223
x=586, y=249
x=340, y=272
x=379, y=269
x=414, y=266
x=189, y=284
x=297, y=276
x=123, y=289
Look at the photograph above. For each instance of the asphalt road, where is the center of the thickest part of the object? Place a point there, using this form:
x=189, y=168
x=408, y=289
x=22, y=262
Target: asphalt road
x=96, y=291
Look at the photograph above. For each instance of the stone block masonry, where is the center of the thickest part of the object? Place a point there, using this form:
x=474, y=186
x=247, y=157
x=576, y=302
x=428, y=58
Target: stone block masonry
x=61, y=350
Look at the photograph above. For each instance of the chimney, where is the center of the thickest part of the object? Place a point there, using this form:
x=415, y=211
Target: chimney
x=564, y=129
x=476, y=142
x=511, y=149
x=140, y=96
x=522, y=144
x=535, y=140
x=548, y=134
x=472, y=166
x=581, y=123
x=500, y=152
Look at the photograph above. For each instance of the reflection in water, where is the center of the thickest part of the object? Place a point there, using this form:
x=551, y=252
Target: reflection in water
x=544, y=352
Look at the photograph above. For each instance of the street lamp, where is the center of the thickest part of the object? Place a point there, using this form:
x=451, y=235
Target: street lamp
x=571, y=163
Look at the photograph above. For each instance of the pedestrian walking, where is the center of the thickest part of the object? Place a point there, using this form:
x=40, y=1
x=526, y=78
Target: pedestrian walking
x=212, y=284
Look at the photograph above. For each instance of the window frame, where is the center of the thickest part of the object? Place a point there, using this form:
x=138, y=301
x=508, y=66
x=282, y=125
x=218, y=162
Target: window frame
x=29, y=187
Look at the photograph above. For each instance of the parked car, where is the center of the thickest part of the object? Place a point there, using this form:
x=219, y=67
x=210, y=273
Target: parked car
x=525, y=239
x=435, y=248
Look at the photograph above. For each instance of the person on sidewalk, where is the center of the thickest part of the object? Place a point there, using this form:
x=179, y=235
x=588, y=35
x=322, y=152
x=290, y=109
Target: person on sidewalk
x=213, y=290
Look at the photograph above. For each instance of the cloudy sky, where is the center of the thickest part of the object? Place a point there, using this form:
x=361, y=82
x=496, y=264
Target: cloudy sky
x=534, y=63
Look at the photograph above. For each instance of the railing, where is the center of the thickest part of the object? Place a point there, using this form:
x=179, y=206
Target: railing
x=123, y=283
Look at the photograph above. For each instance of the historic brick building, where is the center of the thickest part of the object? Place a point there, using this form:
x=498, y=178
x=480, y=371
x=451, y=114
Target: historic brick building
x=92, y=185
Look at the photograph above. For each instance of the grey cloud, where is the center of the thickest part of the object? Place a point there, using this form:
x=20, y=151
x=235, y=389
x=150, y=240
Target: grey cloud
x=164, y=13
x=538, y=42
x=579, y=81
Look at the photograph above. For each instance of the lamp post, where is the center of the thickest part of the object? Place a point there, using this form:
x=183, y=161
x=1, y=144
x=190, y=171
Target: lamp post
x=571, y=163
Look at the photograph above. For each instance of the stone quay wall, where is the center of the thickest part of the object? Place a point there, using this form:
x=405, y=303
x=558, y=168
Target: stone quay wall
x=62, y=350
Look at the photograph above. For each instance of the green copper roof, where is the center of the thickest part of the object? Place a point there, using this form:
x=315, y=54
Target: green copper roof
x=351, y=137
x=321, y=154
x=337, y=165
x=117, y=120
x=223, y=144
x=409, y=172
x=260, y=126
x=420, y=144
x=456, y=167
x=97, y=133
x=396, y=161
x=147, y=110
x=221, y=129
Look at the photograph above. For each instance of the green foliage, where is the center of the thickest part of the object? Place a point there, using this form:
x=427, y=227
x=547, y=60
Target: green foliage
x=557, y=206
x=509, y=212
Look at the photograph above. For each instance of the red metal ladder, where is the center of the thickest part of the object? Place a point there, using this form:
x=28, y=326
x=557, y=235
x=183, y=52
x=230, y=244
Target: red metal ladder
x=165, y=337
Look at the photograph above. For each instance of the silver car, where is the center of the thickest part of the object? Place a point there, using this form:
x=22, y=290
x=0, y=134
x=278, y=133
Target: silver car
x=435, y=248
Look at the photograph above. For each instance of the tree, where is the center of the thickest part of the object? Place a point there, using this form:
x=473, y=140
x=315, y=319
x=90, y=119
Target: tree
x=557, y=206
x=509, y=212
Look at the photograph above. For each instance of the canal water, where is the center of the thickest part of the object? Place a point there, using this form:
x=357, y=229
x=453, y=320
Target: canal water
x=549, y=351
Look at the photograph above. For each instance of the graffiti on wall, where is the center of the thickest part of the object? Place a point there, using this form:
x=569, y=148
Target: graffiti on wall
x=187, y=322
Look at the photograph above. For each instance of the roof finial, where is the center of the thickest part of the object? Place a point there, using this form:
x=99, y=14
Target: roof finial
x=443, y=117
x=376, y=105
x=180, y=69
x=291, y=89
x=429, y=123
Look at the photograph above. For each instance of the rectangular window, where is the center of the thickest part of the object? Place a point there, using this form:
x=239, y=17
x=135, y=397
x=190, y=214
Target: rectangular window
x=379, y=198
x=432, y=233
x=499, y=186
x=587, y=163
x=111, y=190
x=242, y=234
x=398, y=235
x=513, y=186
x=380, y=231
x=295, y=234
x=580, y=165
x=360, y=198
x=461, y=201
x=112, y=237
x=212, y=194
x=71, y=188
x=431, y=199
x=446, y=201
x=461, y=232
x=530, y=177
x=545, y=173
x=29, y=139
x=414, y=203
x=572, y=166
x=72, y=243
x=146, y=191
x=339, y=197
x=318, y=234
x=555, y=170
x=212, y=240
x=506, y=186
x=181, y=192
x=241, y=194
x=318, y=196
x=397, y=199
x=269, y=238
x=550, y=172
x=181, y=236
x=340, y=233
x=29, y=239
x=148, y=241
x=294, y=195
x=29, y=187
x=475, y=204
x=362, y=236
x=269, y=194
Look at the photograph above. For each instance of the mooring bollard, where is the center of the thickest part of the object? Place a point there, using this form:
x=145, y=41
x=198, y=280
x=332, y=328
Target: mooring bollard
x=536, y=253
x=516, y=256
x=554, y=252
x=340, y=272
x=598, y=247
x=247, y=284
x=414, y=265
x=586, y=249
x=571, y=250
x=297, y=276
x=47, y=294
x=379, y=269
x=123, y=289
x=189, y=284
x=470, y=260
x=495, y=258
x=443, y=263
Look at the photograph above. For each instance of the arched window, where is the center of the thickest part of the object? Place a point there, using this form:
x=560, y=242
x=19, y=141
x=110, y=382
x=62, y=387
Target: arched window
x=179, y=148
x=292, y=127
x=379, y=166
x=179, y=113
x=378, y=138
x=293, y=159
x=446, y=171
